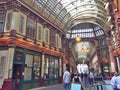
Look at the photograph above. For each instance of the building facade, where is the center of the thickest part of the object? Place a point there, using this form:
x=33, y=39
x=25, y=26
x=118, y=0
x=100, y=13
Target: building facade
x=31, y=53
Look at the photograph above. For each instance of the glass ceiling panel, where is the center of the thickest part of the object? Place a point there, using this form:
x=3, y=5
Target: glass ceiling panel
x=85, y=30
x=70, y=12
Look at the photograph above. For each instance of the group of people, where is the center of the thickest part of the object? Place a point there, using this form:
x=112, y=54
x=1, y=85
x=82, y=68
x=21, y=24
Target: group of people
x=115, y=81
x=83, y=79
x=87, y=78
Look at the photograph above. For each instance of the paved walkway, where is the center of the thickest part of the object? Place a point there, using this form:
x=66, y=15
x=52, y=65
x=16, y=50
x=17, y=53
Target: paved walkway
x=53, y=87
x=106, y=86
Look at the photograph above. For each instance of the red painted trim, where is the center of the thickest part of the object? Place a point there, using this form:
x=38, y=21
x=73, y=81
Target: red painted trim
x=7, y=84
x=4, y=41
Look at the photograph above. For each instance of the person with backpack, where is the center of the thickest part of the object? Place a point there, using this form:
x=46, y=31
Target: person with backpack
x=77, y=79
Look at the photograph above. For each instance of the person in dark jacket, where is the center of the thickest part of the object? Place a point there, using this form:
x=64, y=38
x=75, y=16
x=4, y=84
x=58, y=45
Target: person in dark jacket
x=77, y=79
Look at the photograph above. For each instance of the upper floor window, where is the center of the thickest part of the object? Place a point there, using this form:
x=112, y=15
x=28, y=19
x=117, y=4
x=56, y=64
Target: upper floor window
x=57, y=40
x=31, y=27
x=52, y=38
x=9, y=19
x=47, y=36
x=21, y=24
x=2, y=16
x=39, y=33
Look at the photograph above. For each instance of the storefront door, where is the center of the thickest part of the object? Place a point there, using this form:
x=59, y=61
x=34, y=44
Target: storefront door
x=17, y=76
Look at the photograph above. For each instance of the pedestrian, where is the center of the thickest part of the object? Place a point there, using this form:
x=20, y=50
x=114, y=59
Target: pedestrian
x=77, y=79
x=85, y=79
x=113, y=81
x=117, y=82
x=67, y=79
x=91, y=78
x=81, y=76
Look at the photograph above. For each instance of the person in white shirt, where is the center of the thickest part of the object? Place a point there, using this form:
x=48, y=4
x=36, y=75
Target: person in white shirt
x=117, y=82
x=113, y=79
x=91, y=78
x=67, y=79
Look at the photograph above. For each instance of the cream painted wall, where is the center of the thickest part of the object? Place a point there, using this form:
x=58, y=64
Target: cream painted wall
x=10, y=62
x=7, y=65
x=3, y=64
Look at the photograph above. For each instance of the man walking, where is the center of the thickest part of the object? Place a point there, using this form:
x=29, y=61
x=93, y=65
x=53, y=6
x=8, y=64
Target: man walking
x=67, y=78
x=113, y=81
x=117, y=82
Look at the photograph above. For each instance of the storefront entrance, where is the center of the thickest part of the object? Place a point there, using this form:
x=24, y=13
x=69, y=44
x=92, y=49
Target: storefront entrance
x=17, y=76
x=17, y=71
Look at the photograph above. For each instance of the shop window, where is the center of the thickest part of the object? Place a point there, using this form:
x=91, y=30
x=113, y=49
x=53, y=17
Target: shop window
x=51, y=68
x=36, y=67
x=2, y=16
x=31, y=27
x=33, y=69
x=21, y=24
x=56, y=71
x=46, y=65
x=28, y=69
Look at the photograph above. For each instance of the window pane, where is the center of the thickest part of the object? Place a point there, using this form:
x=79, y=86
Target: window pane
x=28, y=74
x=1, y=25
x=56, y=71
x=36, y=72
x=39, y=33
x=36, y=69
x=51, y=72
x=36, y=61
x=1, y=20
x=46, y=65
x=47, y=37
x=9, y=18
x=21, y=24
x=31, y=27
x=1, y=17
x=29, y=60
x=56, y=63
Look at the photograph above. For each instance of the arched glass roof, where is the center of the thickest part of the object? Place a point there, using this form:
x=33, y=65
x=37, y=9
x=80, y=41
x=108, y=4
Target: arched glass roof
x=85, y=30
x=71, y=12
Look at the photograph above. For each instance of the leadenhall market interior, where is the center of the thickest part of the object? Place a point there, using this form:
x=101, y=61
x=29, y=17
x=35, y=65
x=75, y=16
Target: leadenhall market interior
x=39, y=37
